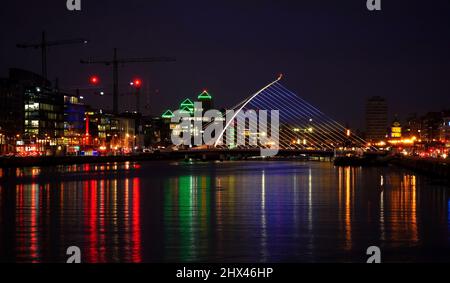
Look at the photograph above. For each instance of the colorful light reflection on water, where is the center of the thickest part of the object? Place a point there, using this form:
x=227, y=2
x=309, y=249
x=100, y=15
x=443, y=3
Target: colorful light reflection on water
x=251, y=211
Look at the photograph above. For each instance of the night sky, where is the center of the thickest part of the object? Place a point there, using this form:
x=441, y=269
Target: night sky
x=334, y=54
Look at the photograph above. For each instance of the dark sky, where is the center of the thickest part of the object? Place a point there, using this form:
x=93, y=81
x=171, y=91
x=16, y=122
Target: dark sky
x=333, y=53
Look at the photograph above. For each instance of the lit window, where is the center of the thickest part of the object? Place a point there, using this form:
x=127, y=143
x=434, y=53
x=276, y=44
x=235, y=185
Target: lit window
x=32, y=106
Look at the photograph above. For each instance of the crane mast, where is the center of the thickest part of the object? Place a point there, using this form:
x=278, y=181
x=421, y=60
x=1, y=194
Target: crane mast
x=44, y=44
x=115, y=64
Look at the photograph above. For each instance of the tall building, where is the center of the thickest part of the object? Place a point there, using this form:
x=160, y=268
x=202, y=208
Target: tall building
x=29, y=106
x=44, y=112
x=74, y=118
x=376, y=118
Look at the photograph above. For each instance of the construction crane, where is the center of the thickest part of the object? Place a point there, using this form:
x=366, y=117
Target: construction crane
x=115, y=64
x=44, y=44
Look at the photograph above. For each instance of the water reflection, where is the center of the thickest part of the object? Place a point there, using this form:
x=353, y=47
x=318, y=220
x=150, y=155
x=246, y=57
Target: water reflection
x=100, y=216
x=346, y=177
x=227, y=212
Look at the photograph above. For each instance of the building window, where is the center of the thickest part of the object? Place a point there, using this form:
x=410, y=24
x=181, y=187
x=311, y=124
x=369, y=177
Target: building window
x=32, y=131
x=32, y=123
x=32, y=107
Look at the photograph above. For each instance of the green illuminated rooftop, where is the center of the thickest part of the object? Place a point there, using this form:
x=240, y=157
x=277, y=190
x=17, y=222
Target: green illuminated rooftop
x=186, y=109
x=167, y=114
x=204, y=95
x=187, y=102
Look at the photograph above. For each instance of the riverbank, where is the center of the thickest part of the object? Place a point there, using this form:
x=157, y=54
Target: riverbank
x=13, y=162
x=431, y=167
x=204, y=155
x=6, y=162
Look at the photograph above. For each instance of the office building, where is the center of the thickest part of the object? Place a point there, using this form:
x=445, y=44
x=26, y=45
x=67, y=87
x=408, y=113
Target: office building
x=376, y=119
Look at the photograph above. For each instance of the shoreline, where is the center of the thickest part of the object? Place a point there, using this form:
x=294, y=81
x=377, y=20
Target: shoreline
x=219, y=155
x=11, y=162
x=429, y=167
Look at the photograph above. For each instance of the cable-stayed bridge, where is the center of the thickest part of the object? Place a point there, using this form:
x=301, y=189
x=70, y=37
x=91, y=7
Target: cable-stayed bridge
x=273, y=118
x=301, y=126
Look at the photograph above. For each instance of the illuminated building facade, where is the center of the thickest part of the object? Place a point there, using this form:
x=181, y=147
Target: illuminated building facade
x=138, y=128
x=445, y=130
x=44, y=112
x=396, y=130
x=431, y=127
x=74, y=119
x=30, y=108
x=15, y=92
x=31, y=114
x=126, y=134
x=109, y=133
x=189, y=108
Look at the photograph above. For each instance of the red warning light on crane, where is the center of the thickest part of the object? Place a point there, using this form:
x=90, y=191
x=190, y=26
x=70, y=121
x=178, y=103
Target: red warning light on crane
x=137, y=83
x=94, y=80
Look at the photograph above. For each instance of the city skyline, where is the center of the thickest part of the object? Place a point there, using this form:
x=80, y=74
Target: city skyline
x=390, y=54
x=201, y=134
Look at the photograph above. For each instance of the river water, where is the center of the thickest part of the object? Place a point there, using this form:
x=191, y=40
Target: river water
x=235, y=211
